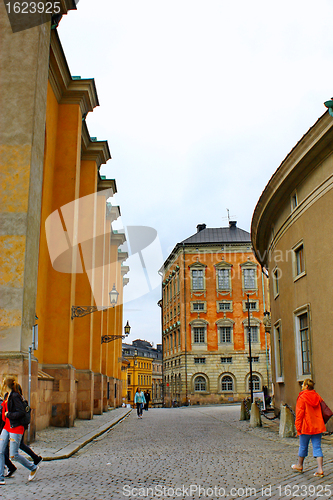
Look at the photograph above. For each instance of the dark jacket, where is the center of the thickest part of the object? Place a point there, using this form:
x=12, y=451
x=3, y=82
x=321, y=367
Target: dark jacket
x=16, y=409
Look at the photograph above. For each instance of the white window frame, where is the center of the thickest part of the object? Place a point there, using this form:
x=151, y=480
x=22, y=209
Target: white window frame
x=278, y=352
x=249, y=265
x=224, y=266
x=204, y=310
x=232, y=381
x=296, y=248
x=254, y=388
x=199, y=375
x=224, y=302
x=223, y=342
x=293, y=200
x=298, y=343
x=254, y=322
x=252, y=301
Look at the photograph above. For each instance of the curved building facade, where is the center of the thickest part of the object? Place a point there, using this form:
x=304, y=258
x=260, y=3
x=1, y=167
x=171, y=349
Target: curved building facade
x=291, y=236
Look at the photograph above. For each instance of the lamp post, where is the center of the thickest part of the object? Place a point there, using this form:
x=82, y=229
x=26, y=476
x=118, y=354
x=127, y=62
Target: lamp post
x=250, y=352
x=79, y=311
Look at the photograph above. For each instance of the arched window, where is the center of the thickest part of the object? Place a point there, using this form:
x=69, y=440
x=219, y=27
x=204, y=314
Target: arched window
x=256, y=384
x=199, y=384
x=227, y=383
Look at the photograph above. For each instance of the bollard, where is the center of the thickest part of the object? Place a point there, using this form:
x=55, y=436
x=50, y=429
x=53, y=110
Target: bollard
x=244, y=413
x=287, y=424
x=255, y=419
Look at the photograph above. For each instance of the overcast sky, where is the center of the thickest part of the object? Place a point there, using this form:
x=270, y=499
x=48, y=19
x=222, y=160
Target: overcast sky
x=200, y=102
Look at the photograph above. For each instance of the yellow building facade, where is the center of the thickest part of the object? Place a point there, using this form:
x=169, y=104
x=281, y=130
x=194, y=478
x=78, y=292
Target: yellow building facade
x=57, y=248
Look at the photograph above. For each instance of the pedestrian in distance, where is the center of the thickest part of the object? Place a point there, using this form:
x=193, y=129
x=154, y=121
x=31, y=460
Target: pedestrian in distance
x=13, y=415
x=139, y=400
x=147, y=398
x=310, y=425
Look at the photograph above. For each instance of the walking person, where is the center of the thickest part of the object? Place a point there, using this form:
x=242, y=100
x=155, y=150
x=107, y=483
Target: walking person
x=147, y=397
x=8, y=463
x=310, y=425
x=139, y=400
x=13, y=413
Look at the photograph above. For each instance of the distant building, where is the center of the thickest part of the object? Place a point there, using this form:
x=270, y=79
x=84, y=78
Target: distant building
x=144, y=370
x=206, y=279
x=292, y=237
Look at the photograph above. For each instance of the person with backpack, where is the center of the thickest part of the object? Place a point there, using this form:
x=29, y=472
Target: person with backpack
x=14, y=412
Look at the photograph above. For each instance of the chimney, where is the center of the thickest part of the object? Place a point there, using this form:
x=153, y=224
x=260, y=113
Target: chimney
x=201, y=227
x=232, y=224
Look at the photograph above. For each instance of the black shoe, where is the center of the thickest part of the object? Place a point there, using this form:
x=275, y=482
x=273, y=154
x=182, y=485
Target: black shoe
x=11, y=472
x=38, y=460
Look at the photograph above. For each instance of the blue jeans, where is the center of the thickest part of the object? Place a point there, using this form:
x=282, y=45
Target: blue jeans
x=14, y=444
x=304, y=440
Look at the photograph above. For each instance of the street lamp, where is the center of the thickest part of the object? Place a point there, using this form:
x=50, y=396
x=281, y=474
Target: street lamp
x=108, y=338
x=79, y=311
x=249, y=330
x=114, y=296
x=127, y=329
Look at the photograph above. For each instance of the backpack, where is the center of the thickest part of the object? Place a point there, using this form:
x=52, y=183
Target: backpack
x=25, y=420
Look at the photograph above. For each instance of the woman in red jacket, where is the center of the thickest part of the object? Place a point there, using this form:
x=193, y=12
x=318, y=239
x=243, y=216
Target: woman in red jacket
x=310, y=425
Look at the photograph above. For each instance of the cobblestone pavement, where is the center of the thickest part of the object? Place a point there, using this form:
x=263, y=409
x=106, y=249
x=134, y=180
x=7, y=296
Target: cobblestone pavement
x=207, y=447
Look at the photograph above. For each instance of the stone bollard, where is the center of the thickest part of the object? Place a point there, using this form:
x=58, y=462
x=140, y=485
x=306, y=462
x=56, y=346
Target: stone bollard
x=287, y=424
x=244, y=413
x=255, y=419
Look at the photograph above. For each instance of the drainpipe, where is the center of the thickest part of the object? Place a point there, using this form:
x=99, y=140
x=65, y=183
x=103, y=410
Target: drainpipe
x=184, y=276
x=266, y=346
x=160, y=303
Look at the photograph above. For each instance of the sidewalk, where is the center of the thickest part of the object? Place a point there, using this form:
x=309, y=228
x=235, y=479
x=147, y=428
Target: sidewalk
x=57, y=443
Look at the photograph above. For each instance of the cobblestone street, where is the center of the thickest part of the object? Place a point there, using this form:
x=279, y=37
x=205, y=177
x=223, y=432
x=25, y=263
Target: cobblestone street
x=207, y=447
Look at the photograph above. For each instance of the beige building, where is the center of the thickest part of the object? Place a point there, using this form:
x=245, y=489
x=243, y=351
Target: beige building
x=291, y=236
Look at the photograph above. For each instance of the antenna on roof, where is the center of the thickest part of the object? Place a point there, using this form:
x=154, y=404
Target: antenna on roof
x=229, y=217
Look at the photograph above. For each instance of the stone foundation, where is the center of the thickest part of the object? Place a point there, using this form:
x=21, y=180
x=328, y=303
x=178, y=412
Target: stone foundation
x=64, y=394
x=105, y=393
x=44, y=400
x=85, y=394
x=98, y=394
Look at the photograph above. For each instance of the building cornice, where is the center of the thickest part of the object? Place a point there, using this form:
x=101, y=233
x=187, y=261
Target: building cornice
x=117, y=238
x=124, y=270
x=310, y=151
x=66, y=89
x=97, y=151
x=104, y=184
x=122, y=256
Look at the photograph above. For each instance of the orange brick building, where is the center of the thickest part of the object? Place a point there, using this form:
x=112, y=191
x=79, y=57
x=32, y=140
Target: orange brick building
x=206, y=279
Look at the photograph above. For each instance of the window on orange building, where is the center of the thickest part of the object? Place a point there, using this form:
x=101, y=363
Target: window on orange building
x=249, y=279
x=223, y=279
x=198, y=306
x=225, y=335
x=197, y=279
x=199, y=334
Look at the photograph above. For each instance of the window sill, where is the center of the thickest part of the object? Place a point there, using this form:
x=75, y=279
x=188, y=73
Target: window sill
x=299, y=276
x=280, y=380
